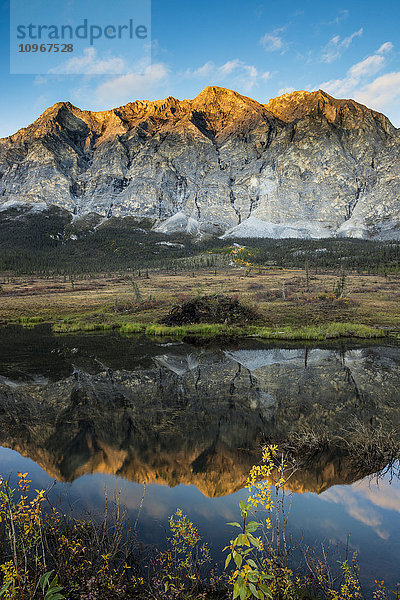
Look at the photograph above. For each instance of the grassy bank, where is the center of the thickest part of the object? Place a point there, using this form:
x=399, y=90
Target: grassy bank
x=205, y=330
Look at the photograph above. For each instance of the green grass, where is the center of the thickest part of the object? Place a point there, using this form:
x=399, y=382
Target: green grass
x=132, y=328
x=200, y=329
x=30, y=321
x=321, y=332
x=77, y=326
x=309, y=332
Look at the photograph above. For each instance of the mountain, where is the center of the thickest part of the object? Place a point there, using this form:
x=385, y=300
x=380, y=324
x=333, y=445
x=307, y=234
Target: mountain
x=303, y=165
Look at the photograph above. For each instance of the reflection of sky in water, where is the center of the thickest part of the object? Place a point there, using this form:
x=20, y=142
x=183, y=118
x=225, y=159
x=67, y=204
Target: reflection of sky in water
x=367, y=511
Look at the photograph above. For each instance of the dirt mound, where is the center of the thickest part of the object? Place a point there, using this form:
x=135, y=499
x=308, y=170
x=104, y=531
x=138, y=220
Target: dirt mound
x=212, y=309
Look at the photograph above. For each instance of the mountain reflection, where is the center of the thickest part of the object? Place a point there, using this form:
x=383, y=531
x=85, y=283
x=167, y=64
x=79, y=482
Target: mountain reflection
x=190, y=415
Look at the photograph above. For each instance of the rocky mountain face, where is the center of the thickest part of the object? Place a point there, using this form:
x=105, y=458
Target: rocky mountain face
x=303, y=165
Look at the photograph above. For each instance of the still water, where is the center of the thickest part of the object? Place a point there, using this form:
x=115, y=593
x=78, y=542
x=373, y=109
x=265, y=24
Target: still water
x=186, y=422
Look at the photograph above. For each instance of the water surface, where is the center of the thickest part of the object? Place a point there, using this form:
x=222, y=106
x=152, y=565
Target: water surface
x=102, y=410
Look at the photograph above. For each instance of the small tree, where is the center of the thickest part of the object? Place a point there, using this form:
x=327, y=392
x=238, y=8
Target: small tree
x=340, y=285
x=307, y=269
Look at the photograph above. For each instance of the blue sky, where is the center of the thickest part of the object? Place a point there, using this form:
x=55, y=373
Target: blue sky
x=261, y=49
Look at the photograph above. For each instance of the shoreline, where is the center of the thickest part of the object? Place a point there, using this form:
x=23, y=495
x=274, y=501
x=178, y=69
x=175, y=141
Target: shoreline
x=327, y=331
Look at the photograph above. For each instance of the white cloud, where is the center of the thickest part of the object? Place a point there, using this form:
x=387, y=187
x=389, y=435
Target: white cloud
x=336, y=46
x=229, y=66
x=115, y=91
x=386, y=47
x=347, y=40
x=252, y=72
x=368, y=66
x=381, y=92
x=233, y=73
x=339, y=87
x=88, y=63
x=356, y=84
x=341, y=16
x=273, y=41
x=203, y=71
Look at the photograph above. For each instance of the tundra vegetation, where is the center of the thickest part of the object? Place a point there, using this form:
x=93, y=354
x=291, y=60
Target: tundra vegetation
x=272, y=303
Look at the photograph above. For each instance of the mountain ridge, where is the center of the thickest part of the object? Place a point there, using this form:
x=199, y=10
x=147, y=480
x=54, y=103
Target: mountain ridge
x=274, y=105
x=305, y=163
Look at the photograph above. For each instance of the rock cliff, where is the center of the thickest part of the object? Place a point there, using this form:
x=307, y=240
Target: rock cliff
x=303, y=165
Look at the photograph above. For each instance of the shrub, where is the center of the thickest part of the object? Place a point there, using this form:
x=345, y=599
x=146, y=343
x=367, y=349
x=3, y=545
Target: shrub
x=44, y=553
x=261, y=563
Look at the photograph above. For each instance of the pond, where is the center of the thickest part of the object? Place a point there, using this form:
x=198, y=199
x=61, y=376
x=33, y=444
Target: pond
x=183, y=424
